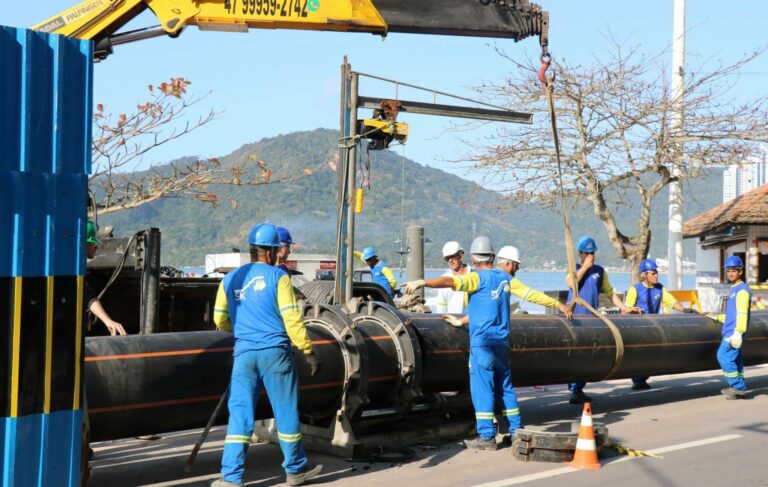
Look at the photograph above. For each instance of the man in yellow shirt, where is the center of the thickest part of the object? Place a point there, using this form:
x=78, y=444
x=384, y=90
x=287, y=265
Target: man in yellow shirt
x=380, y=271
x=509, y=261
x=647, y=297
x=735, y=324
x=256, y=303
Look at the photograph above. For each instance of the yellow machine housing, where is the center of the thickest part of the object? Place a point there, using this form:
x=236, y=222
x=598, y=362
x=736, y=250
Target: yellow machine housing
x=380, y=133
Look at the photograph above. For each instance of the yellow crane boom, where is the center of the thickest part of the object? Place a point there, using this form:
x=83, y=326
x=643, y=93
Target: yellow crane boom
x=100, y=20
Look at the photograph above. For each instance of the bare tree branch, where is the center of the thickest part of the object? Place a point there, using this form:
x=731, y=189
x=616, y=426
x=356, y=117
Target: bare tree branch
x=616, y=134
x=120, y=142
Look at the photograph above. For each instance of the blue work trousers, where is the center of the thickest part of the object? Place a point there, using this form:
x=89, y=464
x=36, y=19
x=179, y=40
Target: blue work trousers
x=273, y=368
x=732, y=364
x=576, y=386
x=490, y=382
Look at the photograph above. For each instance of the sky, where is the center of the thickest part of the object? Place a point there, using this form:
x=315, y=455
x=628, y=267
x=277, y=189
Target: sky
x=271, y=82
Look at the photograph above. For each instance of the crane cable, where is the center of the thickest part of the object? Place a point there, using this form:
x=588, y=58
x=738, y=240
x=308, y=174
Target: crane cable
x=548, y=86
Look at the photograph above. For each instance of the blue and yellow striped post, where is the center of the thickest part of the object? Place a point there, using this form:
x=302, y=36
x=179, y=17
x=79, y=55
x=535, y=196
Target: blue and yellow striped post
x=45, y=147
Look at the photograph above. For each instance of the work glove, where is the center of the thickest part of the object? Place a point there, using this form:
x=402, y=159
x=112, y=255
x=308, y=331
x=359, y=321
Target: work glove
x=452, y=320
x=689, y=310
x=314, y=363
x=412, y=286
x=735, y=340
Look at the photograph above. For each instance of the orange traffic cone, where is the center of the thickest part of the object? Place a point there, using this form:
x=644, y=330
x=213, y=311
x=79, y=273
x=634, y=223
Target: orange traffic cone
x=586, y=449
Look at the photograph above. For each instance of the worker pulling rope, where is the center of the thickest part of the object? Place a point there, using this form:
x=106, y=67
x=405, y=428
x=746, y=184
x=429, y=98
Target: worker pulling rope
x=548, y=86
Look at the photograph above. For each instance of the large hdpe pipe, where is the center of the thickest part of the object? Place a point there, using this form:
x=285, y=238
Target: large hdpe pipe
x=378, y=357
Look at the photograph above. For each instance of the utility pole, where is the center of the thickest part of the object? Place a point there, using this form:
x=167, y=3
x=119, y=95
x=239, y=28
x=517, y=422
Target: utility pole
x=345, y=232
x=675, y=247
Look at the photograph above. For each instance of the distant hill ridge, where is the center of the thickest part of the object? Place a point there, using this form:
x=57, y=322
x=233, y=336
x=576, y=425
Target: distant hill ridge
x=448, y=207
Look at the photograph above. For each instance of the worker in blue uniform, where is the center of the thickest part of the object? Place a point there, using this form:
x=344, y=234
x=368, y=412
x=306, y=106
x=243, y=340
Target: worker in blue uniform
x=592, y=280
x=649, y=296
x=256, y=303
x=735, y=324
x=380, y=271
x=285, y=248
x=490, y=376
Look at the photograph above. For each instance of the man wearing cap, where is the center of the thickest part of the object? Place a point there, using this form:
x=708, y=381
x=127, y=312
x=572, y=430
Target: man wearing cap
x=93, y=304
x=735, y=324
x=592, y=280
x=256, y=303
x=448, y=300
x=647, y=297
x=490, y=376
x=380, y=271
x=508, y=260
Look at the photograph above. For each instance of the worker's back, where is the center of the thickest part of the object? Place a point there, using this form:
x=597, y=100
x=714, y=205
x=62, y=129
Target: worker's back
x=252, y=299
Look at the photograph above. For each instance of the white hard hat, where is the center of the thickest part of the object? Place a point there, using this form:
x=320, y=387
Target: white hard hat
x=451, y=248
x=509, y=252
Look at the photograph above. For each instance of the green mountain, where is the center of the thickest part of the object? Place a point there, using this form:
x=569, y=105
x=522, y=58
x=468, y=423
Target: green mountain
x=449, y=208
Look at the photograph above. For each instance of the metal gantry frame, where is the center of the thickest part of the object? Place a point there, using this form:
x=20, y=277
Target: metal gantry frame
x=351, y=101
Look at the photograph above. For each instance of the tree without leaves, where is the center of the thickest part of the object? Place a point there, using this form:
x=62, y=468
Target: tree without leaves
x=618, y=135
x=120, y=142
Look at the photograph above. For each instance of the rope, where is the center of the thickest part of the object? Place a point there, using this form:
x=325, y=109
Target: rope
x=631, y=452
x=548, y=85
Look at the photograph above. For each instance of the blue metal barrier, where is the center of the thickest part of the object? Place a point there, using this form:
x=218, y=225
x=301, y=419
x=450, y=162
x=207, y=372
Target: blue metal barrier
x=45, y=146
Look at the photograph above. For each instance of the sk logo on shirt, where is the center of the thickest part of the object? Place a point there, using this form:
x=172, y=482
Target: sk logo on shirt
x=257, y=283
x=496, y=293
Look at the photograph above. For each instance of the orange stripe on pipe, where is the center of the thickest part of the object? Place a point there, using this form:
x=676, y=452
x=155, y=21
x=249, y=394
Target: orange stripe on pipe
x=99, y=358
x=589, y=347
x=192, y=400
x=144, y=405
x=157, y=354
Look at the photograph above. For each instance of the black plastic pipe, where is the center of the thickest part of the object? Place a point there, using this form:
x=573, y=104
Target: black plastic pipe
x=378, y=357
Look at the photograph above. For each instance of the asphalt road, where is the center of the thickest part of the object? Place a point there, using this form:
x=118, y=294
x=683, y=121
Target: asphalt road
x=704, y=440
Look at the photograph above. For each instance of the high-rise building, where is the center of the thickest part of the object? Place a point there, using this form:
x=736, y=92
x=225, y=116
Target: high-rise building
x=741, y=178
x=730, y=183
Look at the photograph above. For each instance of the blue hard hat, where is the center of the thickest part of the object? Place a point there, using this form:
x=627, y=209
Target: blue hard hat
x=734, y=261
x=369, y=252
x=264, y=235
x=648, y=265
x=285, y=236
x=587, y=244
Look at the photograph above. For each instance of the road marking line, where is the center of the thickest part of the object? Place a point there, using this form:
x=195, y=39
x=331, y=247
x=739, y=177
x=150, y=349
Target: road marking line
x=683, y=446
x=564, y=470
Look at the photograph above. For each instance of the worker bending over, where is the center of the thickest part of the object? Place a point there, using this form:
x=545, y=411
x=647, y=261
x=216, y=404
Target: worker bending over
x=256, y=303
x=380, y=271
x=735, y=325
x=490, y=377
x=647, y=297
x=592, y=280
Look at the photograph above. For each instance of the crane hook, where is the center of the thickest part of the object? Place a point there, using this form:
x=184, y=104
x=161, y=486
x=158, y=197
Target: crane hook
x=546, y=61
